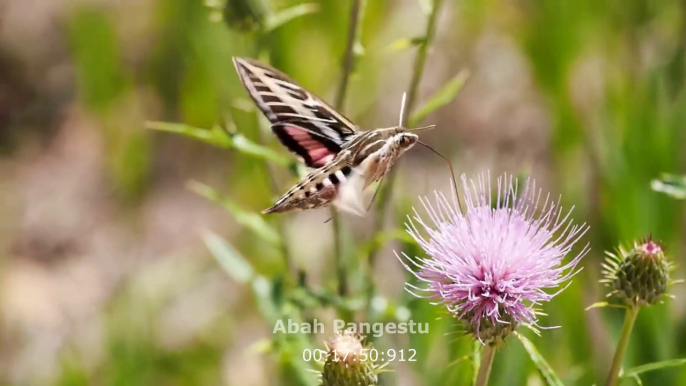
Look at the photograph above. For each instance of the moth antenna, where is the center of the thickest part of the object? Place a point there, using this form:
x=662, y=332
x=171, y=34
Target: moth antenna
x=452, y=172
x=429, y=127
x=402, y=109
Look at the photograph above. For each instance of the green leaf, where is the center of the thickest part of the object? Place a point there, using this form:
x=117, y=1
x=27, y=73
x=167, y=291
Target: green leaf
x=543, y=367
x=219, y=137
x=671, y=185
x=244, y=145
x=632, y=372
x=261, y=346
x=292, y=348
x=427, y=6
x=382, y=238
x=282, y=17
x=252, y=221
x=444, y=96
x=262, y=289
x=229, y=257
x=604, y=304
x=242, y=272
x=637, y=379
x=405, y=43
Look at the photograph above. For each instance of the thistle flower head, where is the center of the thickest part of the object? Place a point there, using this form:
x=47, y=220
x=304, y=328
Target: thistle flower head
x=348, y=362
x=491, y=263
x=637, y=277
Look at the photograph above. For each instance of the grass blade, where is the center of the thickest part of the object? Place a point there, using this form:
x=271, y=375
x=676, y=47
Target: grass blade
x=441, y=98
x=635, y=371
x=229, y=257
x=671, y=185
x=282, y=17
x=544, y=368
x=219, y=137
x=252, y=221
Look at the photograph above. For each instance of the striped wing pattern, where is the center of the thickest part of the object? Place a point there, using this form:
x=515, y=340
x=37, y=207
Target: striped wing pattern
x=315, y=190
x=303, y=123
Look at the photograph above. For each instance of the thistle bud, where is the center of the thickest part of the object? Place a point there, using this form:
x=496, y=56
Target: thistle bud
x=245, y=15
x=638, y=277
x=348, y=362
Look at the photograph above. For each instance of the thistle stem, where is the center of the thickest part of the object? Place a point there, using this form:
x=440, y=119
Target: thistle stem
x=347, y=68
x=485, y=366
x=269, y=171
x=387, y=188
x=629, y=320
x=349, y=56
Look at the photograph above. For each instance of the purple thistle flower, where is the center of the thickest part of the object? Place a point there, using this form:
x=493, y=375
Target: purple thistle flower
x=491, y=264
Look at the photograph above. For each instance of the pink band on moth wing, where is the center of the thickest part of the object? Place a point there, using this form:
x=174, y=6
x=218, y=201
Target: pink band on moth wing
x=319, y=154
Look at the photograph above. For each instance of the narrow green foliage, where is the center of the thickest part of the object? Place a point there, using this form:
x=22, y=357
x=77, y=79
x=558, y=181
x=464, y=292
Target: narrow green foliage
x=635, y=371
x=671, y=185
x=219, y=137
x=542, y=365
x=229, y=258
x=404, y=44
x=279, y=18
x=604, y=305
x=252, y=221
x=441, y=98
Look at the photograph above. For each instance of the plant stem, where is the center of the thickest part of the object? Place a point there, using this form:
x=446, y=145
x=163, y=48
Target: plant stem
x=420, y=59
x=349, y=56
x=347, y=68
x=280, y=226
x=269, y=171
x=629, y=319
x=387, y=188
x=485, y=366
x=338, y=251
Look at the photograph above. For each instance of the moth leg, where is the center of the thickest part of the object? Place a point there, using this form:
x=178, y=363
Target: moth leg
x=376, y=192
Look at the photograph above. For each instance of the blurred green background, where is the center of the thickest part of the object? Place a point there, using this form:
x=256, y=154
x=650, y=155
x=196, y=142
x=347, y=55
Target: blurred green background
x=104, y=275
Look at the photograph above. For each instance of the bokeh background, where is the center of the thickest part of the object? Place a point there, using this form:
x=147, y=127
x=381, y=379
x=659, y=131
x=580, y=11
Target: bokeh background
x=104, y=275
